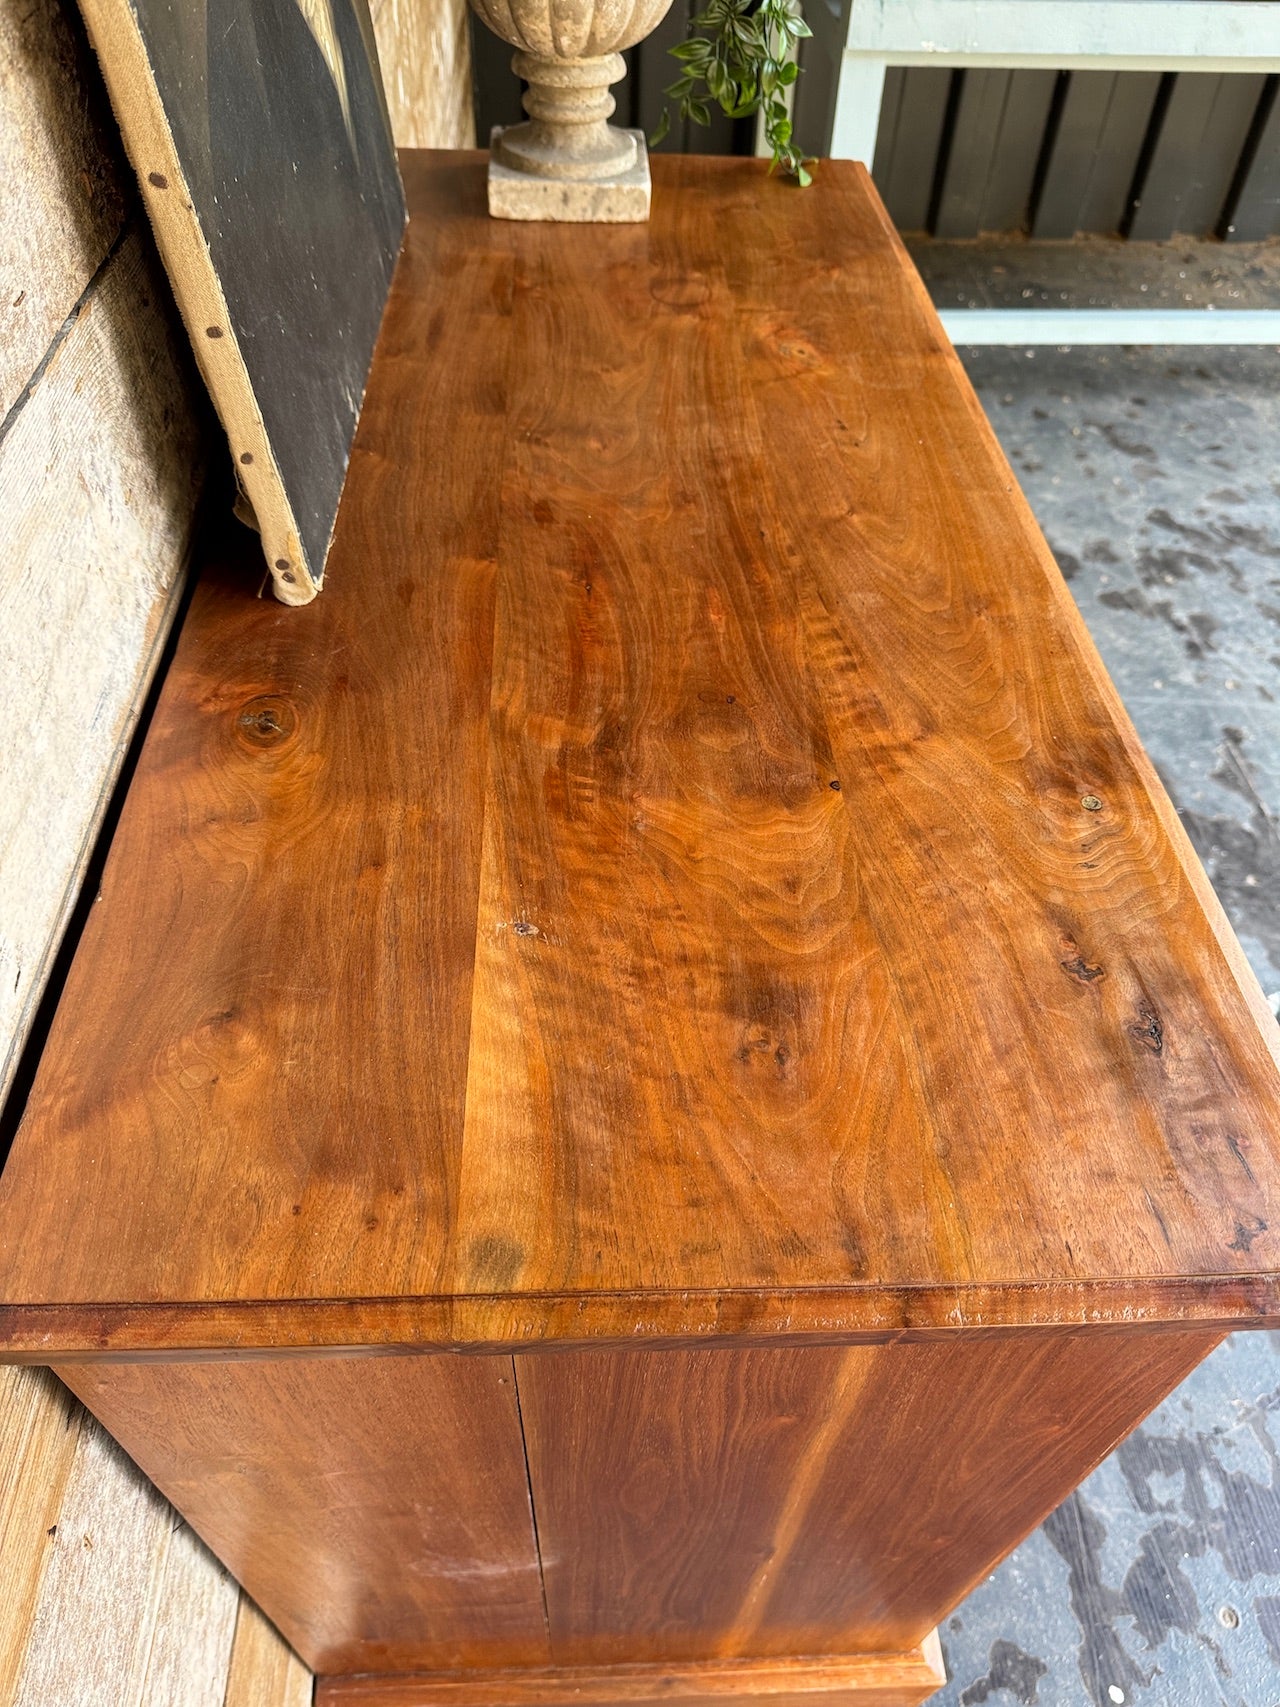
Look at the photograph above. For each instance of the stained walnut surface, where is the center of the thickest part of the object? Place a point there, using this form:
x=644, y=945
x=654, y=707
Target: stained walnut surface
x=690, y=876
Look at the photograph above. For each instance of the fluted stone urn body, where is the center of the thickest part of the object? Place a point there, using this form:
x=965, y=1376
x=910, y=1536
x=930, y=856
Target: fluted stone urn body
x=567, y=161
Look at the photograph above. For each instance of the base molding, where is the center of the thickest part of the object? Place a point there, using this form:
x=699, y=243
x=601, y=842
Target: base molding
x=825, y=1680
x=621, y=200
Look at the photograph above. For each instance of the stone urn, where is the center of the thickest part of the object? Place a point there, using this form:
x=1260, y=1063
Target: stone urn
x=567, y=161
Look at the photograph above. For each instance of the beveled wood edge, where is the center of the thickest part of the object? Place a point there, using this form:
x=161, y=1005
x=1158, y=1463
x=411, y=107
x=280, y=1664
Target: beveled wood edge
x=71, y=1333
x=919, y=1670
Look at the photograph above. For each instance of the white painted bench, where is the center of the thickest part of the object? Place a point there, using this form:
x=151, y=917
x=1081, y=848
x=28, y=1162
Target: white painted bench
x=1112, y=35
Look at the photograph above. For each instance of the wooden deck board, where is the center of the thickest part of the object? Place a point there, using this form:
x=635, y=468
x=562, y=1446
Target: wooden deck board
x=658, y=892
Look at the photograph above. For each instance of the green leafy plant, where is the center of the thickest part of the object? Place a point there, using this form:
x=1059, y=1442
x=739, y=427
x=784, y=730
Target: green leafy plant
x=744, y=62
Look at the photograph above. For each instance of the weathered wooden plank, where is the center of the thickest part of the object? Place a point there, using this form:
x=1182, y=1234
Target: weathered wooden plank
x=905, y=179
x=264, y=1670
x=1094, y=153
x=194, y=1621
x=975, y=134
x=65, y=189
x=39, y=1428
x=1256, y=212
x=1196, y=153
x=100, y=469
x=425, y=50
x=132, y=1612
x=1017, y=151
x=994, y=145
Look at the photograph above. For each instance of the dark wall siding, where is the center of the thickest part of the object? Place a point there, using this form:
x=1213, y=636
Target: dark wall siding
x=1053, y=154
x=1091, y=158
x=1203, y=130
x=1255, y=204
x=990, y=162
x=912, y=119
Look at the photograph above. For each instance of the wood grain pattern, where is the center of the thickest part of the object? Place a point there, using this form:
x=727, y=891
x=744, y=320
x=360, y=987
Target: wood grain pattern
x=745, y=904
x=101, y=467
x=812, y=1501
x=377, y=1510
x=264, y=1672
x=859, y=1680
x=39, y=1427
x=424, y=47
x=1196, y=155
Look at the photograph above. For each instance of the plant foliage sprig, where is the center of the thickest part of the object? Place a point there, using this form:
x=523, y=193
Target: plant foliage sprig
x=744, y=62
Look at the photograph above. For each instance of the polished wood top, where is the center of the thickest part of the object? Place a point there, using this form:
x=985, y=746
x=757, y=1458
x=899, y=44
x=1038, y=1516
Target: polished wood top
x=690, y=875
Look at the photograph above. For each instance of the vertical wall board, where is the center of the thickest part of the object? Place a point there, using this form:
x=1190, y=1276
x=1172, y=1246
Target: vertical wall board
x=906, y=180
x=1256, y=213
x=1072, y=153
x=194, y=1626
x=1105, y=203
x=100, y=469
x=718, y=137
x=1016, y=155
x=65, y=188
x=1216, y=160
x=979, y=114
x=39, y=1427
x=263, y=1672
x=1196, y=153
x=113, y=1600
x=723, y=135
x=424, y=47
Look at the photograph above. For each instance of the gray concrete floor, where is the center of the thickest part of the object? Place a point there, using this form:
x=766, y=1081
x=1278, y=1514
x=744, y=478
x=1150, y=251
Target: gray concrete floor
x=1098, y=272
x=1155, y=474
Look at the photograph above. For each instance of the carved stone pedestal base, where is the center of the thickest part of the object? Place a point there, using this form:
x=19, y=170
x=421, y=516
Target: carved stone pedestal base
x=619, y=200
